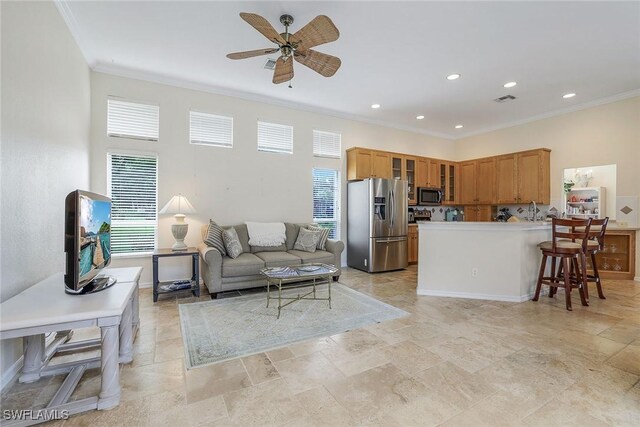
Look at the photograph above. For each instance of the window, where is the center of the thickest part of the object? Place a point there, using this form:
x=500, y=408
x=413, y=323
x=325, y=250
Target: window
x=275, y=138
x=132, y=120
x=133, y=188
x=326, y=144
x=326, y=200
x=209, y=129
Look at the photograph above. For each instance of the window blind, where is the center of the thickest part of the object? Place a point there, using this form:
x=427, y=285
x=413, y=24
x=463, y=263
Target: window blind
x=132, y=120
x=327, y=144
x=209, y=129
x=275, y=138
x=133, y=188
x=326, y=200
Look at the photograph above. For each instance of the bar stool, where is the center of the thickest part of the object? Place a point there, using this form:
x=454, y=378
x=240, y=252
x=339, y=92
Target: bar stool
x=594, y=244
x=572, y=255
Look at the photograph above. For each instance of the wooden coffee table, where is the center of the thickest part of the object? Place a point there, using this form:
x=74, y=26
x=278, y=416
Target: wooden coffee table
x=308, y=274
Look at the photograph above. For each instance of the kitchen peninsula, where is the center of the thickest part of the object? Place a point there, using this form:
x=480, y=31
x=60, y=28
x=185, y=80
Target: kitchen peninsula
x=480, y=260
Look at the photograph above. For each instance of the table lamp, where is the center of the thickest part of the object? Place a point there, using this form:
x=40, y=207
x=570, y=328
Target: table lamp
x=179, y=206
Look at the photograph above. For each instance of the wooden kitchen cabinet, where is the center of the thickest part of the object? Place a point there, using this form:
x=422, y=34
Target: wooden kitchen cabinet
x=486, y=180
x=434, y=174
x=450, y=188
x=412, y=244
x=479, y=213
x=506, y=179
x=468, y=180
x=363, y=163
x=533, y=171
x=410, y=176
x=422, y=172
x=381, y=166
x=617, y=259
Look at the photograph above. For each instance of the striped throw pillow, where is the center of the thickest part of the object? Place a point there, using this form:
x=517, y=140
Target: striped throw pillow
x=214, y=237
x=323, y=236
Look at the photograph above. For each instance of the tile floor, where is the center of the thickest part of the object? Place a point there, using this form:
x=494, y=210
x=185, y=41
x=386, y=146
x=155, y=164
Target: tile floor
x=452, y=362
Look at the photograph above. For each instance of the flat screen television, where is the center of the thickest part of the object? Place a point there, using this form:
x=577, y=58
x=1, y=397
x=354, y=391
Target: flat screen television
x=87, y=242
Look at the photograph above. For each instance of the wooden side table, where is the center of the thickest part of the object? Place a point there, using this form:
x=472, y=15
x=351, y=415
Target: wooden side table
x=192, y=284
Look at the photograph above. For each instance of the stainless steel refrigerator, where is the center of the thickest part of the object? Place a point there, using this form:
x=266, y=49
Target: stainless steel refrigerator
x=377, y=212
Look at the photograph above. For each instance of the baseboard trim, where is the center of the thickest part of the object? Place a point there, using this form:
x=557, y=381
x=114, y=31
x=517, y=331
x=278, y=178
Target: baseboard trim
x=468, y=295
x=10, y=376
x=637, y=278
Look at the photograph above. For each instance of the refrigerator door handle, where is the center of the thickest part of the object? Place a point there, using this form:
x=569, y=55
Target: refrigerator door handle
x=392, y=206
x=400, y=239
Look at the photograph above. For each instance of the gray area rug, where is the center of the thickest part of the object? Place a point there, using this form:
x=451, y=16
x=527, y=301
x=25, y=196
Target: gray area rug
x=224, y=329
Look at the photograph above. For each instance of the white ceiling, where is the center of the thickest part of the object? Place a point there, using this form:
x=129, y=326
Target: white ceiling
x=393, y=53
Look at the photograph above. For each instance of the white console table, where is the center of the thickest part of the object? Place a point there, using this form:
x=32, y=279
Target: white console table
x=46, y=308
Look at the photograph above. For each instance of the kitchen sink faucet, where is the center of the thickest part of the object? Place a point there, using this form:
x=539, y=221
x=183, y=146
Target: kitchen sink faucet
x=531, y=217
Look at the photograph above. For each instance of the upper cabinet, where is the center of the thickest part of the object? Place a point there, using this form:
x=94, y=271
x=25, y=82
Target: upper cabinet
x=533, y=170
x=507, y=179
x=363, y=163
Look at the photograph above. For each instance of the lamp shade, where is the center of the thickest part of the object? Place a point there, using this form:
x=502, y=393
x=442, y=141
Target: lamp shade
x=178, y=205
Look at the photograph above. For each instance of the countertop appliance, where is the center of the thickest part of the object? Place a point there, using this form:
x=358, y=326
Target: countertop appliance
x=419, y=214
x=428, y=196
x=454, y=214
x=377, y=224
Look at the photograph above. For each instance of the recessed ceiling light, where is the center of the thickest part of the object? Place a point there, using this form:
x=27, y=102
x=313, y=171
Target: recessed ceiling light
x=459, y=126
x=374, y=106
x=510, y=84
x=453, y=76
x=568, y=95
x=419, y=117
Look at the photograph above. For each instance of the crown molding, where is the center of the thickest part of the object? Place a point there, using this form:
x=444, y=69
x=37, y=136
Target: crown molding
x=249, y=96
x=74, y=29
x=573, y=108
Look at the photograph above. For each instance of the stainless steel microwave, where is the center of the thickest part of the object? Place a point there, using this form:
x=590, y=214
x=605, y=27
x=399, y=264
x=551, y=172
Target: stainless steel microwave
x=429, y=196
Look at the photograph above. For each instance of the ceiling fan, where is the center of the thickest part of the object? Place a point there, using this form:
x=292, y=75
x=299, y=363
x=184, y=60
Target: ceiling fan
x=296, y=46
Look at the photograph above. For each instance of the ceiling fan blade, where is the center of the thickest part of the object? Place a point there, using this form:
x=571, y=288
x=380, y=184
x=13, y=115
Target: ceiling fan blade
x=284, y=70
x=251, y=53
x=263, y=26
x=319, y=31
x=319, y=62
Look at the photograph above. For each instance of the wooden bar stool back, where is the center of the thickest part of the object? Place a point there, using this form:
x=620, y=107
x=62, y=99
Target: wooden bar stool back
x=596, y=243
x=570, y=247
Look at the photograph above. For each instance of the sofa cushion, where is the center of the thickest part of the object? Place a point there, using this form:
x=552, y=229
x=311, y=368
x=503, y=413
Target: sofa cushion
x=231, y=242
x=214, y=237
x=307, y=240
x=292, y=234
x=280, y=248
x=317, y=256
x=246, y=264
x=278, y=259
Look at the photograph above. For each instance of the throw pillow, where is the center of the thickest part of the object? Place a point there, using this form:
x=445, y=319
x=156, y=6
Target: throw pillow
x=232, y=242
x=307, y=240
x=324, y=235
x=214, y=237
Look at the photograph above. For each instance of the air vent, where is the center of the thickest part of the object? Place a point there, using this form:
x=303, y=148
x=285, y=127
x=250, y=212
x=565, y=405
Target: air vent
x=270, y=64
x=505, y=98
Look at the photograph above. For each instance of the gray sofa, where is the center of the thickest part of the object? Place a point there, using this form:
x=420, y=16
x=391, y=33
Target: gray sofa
x=222, y=273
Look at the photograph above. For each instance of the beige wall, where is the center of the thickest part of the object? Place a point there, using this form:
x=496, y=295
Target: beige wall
x=239, y=184
x=602, y=135
x=45, y=145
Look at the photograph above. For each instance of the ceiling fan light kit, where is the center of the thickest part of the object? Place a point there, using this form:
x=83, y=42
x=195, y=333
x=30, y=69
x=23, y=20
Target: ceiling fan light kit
x=295, y=46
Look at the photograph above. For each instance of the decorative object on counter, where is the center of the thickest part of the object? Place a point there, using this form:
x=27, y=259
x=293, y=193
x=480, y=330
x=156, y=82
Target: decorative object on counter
x=503, y=215
x=179, y=206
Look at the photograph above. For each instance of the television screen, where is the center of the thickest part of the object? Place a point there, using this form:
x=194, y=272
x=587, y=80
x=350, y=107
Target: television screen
x=95, y=235
x=87, y=242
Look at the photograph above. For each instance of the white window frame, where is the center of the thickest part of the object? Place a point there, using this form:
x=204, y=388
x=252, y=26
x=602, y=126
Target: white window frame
x=110, y=134
x=155, y=234
x=212, y=116
x=266, y=149
x=337, y=198
x=319, y=134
